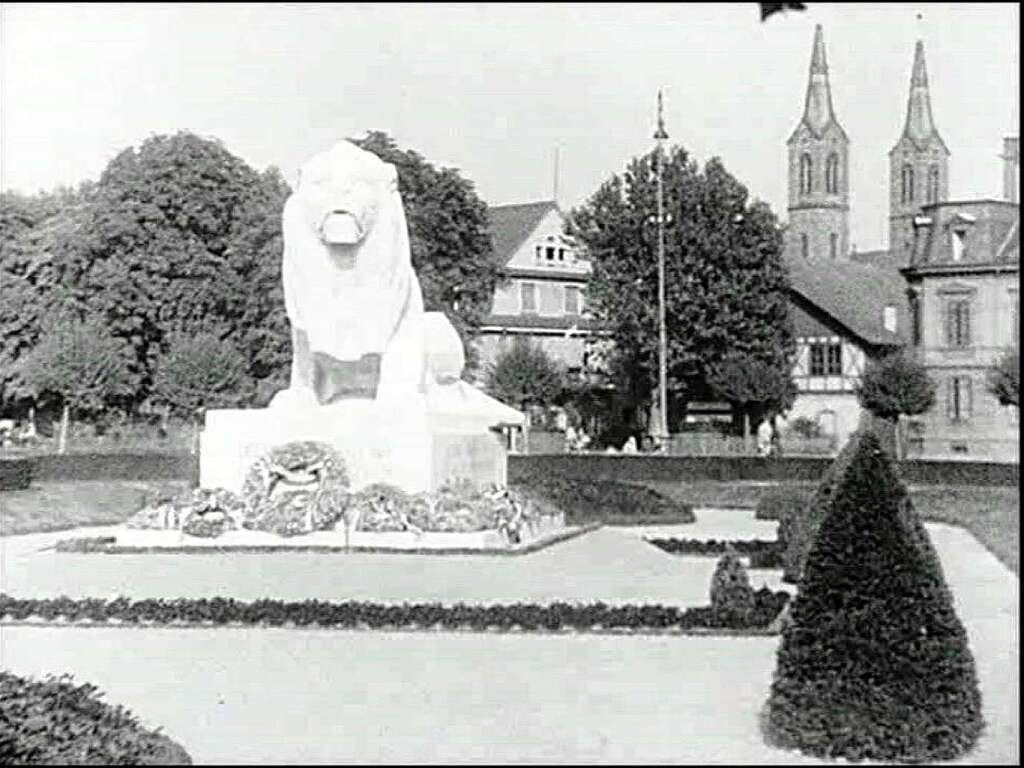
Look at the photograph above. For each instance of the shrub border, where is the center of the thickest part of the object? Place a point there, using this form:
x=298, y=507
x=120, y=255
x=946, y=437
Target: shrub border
x=757, y=550
x=16, y=474
x=648, y=468
x=552, y=618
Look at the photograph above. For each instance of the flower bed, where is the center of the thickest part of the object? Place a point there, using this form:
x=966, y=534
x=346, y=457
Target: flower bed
x=53, y=722
x=367, y=615
x=762, y=553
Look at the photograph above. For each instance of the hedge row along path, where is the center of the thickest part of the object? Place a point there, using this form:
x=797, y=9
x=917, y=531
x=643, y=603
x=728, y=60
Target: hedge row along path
x=361, y=615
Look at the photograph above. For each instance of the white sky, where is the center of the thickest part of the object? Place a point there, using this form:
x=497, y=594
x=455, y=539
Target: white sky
x=492, y=89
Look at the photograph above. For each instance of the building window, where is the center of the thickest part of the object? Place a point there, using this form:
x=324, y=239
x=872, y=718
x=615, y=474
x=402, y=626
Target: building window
x=832, y=174
x=958, y=398
x=933, y=184
x=915, y=318
x=561, y=254
x=958, y=322
x=826, y=359
x=805, y=247
x=889, y=319
x=528, y=297
x=806, y=174
x=573, y=300
x=957, y=238
x=907, y=184
x=549, y=252
x=1014, y=319
x=833, y=245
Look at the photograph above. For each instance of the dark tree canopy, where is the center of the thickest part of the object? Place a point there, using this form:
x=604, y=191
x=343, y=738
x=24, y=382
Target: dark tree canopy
x=449, y=237
x=178, y=235
x=525, y=374
x=1004, y=378
x=874, y=663
x=726, y=283
x=199, y=372
x=748, y=380
x=896, y=385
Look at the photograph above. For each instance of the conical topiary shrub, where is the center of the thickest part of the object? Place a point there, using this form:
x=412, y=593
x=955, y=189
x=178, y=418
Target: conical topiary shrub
x=799, y=524
x=874, y=662
x=732, y=597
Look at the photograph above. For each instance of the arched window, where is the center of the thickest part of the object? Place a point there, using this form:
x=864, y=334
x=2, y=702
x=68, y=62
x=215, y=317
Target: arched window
x=832, y=174
x=907, y=195
x=804, y=246
x=806, y=174
x=933, y=184
x=833, y=245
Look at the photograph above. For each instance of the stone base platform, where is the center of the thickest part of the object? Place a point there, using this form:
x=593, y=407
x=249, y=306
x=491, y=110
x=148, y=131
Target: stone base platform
x=130, y=541
x=405, y=445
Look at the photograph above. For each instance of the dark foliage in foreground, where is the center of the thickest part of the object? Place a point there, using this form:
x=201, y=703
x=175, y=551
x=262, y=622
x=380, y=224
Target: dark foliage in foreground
x=15, y=474
x=609, y=501
x=762, y=553
x=874, y=663
x=358, y=615
x=55, y=722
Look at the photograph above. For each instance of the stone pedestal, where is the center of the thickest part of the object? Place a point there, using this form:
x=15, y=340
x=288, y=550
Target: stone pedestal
x=408, y=445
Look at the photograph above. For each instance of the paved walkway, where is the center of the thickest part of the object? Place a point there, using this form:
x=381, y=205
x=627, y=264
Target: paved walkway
x=318, y=696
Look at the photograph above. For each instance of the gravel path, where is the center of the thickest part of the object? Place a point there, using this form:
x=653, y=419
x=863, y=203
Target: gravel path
x=290, y=696
x=611, y=564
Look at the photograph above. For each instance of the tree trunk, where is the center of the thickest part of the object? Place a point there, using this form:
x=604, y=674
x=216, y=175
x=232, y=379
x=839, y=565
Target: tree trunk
x=65, y=420
x=746, y=432
x=195, y=435
x=896, y=436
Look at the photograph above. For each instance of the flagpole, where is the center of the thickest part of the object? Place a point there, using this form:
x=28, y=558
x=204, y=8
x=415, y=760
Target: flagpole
x=660, y=136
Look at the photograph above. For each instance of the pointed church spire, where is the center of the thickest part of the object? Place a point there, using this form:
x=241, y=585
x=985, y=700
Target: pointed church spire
x=920, y=125
x=818, y=111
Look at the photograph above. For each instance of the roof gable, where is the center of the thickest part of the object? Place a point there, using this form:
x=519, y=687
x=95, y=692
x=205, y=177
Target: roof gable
x=855, y=296
x=512, y=225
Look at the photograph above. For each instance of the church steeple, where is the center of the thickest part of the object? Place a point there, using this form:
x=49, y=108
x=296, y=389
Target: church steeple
x=818, y=111
x=918, y=164
x=920, y=125
x=819, y=189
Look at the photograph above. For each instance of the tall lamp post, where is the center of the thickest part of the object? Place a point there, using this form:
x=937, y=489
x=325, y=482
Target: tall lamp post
x=660, y=135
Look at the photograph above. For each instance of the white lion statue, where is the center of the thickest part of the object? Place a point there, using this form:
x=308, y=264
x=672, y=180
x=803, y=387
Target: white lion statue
x=353, y=299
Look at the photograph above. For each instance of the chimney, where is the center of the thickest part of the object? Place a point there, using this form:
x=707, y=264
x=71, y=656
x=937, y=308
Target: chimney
x=1011, y=168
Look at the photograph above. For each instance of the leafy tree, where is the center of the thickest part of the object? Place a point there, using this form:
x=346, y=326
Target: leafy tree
x=894, y=386
x=874, y=662
x=525, y=375
x=32, y=228
x=1004, y=378
x=180, y=234
x=199, y=372
x=726, y=284
x=753, y=384
x=449, y=236
x=80, y=363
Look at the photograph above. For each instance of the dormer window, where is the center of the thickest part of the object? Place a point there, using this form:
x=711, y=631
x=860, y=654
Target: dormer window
x=957, y=238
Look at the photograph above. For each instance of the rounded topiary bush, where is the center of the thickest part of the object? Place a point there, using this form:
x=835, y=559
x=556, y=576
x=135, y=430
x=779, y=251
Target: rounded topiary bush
x=54, y=722
x=732, y=598
x=874, y=662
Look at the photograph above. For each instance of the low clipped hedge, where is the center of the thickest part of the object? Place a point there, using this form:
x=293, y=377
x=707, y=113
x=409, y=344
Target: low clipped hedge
x=762, y=553
x=606, y=501
x=368, y=615
x=54, y=722
x=117, y=466
x=15, y=474
x=778, y=503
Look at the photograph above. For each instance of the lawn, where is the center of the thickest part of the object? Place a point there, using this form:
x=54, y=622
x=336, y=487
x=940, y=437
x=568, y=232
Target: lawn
x=60, y=506
x=990, y=513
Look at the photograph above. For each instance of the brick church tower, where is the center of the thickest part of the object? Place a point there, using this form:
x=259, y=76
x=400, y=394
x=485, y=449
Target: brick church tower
x=918, y=164
x=819, y=186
